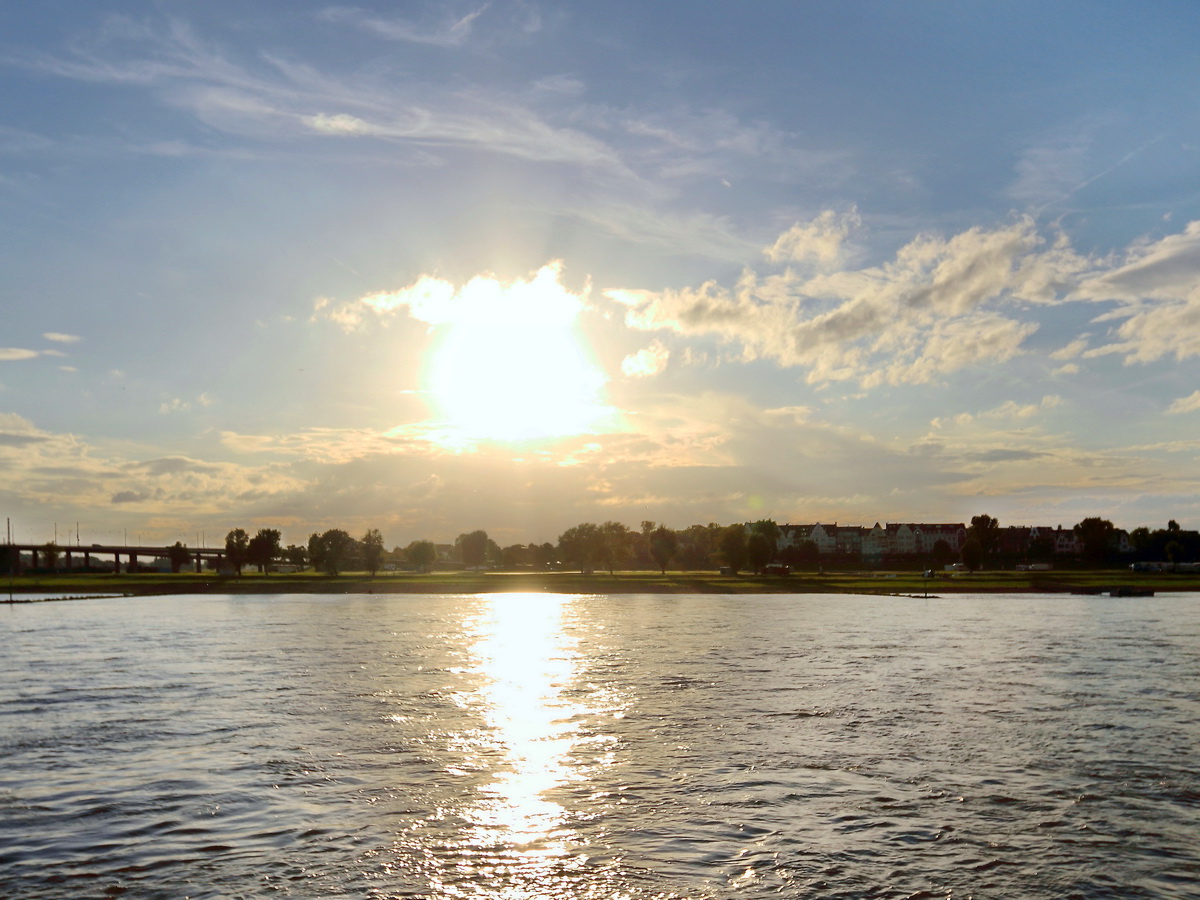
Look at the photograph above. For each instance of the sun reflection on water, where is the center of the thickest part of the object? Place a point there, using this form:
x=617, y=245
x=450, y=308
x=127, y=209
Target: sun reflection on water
x=525, y=745
x=526, y=662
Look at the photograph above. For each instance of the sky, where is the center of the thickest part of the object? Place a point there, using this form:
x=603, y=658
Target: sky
x=433, y=267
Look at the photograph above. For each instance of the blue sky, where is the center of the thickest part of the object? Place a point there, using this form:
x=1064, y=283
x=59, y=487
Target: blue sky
x=432, y=267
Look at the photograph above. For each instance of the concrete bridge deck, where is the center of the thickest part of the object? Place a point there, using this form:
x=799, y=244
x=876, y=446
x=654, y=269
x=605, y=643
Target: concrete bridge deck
x=67, y=553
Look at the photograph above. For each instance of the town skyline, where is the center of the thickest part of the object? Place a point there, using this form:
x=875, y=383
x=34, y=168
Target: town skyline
x=520, y=265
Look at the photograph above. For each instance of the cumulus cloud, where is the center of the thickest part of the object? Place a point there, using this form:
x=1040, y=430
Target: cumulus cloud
x=1008, y=410
x=483, y=301
x=646, y=362
x=819, y=241
x=932, y=310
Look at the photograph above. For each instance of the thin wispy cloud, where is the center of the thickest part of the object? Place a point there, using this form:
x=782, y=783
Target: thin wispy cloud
x=449, y=31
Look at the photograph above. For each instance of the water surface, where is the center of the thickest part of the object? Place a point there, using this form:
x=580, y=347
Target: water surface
x=529, y=746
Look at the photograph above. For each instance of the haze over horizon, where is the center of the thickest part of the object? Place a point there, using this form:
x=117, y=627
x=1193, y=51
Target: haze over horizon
x=512, y=266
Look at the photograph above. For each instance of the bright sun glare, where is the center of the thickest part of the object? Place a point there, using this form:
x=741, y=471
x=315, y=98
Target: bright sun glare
x=510, y=364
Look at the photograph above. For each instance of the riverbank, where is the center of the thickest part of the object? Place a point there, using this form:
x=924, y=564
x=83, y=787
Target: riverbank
x=902, y=583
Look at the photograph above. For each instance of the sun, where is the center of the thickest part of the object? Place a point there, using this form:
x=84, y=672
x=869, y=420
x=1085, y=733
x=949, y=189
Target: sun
x=509, y=362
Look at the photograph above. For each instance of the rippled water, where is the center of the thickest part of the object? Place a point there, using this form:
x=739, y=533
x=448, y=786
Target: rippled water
x=528, y=746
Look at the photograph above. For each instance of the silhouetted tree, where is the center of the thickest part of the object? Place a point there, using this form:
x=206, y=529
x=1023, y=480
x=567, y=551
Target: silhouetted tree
x=614, y=544
x=316, y=551
x=761, y=544
x=421, y=554
x=1040, y=550
x=1095, y=534
x=941, y=552
x=263, y=548
x=237, y=543
x=662, y=546
x=372, y=547
x=473, y=548
x=336, y=545
x=733, y=547
x=758, y=551
x=295, y=556
x=972, y=553
x=580, y=544
x=179, y=556
x=986, y=531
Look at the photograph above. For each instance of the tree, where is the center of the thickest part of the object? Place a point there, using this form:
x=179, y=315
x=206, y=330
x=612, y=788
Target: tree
x=263, y=548
x=473, y=548
x=941, y=552
x=237, y=543
x=179, y=556
x=986, y=531
x=336, y=545
x=758, y=551
x=295, y=556
x=806, y=554
x=662, y=546
x=372, y=546
x=50, y=556
x=316, y=551
x=580, y=544
x=972, y=553
x=614, y=544
x=761, y=544
x=1095, y=534
x=1040, y=550
x=421, y=554
x=1173, y=550
x=733, y=547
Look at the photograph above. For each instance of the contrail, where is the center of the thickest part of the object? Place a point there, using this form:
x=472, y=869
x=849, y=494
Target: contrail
x=1120, y=162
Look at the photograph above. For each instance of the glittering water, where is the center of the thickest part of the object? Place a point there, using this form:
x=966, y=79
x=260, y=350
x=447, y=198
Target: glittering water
x=569, y=747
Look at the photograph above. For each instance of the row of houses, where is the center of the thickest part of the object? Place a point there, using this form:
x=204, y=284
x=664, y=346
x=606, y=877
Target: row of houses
x=921, y=539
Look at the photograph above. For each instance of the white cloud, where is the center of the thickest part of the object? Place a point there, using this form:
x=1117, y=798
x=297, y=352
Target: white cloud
x=482, y=301
x=647, y=361
x=342, y=123
x=61, y=338
x=1187, y=404
x=819, y=241
x=9, y=354
x=1158, y=287
x=1071, y=350
x=911, y=320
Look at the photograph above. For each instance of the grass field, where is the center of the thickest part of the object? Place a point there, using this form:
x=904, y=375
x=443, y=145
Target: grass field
x=707, y=582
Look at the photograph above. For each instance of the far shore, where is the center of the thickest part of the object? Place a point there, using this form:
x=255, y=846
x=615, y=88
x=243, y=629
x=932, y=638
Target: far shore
x=707, y=582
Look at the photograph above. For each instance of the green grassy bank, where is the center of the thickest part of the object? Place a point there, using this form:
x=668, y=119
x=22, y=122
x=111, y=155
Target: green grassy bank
x=1066, y=581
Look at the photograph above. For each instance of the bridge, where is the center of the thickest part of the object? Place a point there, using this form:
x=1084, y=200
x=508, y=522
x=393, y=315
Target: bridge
x=16, y=564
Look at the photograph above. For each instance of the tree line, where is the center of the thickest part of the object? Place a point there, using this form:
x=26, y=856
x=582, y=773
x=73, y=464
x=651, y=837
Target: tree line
x=751, y=546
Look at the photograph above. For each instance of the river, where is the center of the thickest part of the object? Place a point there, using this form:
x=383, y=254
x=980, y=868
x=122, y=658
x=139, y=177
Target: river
x=547, y=746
